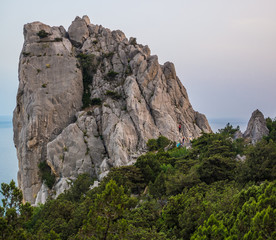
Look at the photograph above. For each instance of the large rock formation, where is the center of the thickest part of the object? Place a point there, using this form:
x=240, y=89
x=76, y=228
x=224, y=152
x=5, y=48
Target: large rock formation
x=256, y=127
x=89, y=100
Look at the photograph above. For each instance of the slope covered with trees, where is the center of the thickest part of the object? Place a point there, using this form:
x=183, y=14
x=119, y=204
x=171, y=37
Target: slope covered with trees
x=205, y=192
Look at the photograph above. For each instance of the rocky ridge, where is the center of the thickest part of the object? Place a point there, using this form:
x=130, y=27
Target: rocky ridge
x=256, y=127
x=88, y=100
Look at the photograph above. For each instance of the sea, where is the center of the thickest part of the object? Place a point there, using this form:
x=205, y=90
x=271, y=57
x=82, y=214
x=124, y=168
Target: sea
x=8, y=159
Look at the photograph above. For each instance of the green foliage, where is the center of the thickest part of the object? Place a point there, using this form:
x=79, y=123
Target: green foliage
x=105, y=218
x=178, y=152
x=130, y=177
x=113, y=95
x=46, y=174
x=216, y=168
x=255, y=214
x=211, y=229
x=12, y=197
x=88, y=64
x=111, y=75
x=152, y=145
x=158, y=188
x=150, y=166
x=271, y=125
x=42, y=34
x=13, y=214
x=78, y=188
x=96, y=101
x=229, y=130
x=200, y=193
x=58, y=39
x=260, y=163
x=159, y=143
x=54, y=216
x=128, y=70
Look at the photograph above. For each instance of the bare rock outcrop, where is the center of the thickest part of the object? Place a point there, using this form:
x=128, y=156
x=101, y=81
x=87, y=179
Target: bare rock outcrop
x=256, y=127
x=89, y=100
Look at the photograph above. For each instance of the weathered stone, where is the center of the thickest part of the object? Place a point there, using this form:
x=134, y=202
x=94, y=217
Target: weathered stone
x=141, y=99
x=49, y=95
x=238, y=134
x=42, y=195
x=256, y=127
x=78, y=31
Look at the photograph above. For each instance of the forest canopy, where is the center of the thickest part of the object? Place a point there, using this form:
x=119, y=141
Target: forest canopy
x=220, y=188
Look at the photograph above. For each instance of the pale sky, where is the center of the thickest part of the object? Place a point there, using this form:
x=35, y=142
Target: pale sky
x=224, y=51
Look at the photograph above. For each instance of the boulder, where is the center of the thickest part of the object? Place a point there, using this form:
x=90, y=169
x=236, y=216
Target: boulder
x=78, y=31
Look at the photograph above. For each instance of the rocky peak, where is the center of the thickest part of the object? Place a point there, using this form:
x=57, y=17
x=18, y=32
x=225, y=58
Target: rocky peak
x=78, y=31
x=89, y=100
x=256, y=127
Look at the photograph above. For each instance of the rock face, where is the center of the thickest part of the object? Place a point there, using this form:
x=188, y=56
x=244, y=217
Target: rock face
x=89, y=100
x=256, y=127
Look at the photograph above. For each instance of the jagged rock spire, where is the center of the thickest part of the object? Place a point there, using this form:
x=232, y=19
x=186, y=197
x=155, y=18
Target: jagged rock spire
x=256, y=127
x=129, y=98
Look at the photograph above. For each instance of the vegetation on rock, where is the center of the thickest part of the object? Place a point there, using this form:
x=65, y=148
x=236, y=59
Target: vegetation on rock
x=204, y=192
x=88, y=64
x=46, y=175
x=42, y=34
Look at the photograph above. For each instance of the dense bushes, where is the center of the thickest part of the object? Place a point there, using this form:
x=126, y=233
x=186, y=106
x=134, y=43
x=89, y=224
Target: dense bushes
x=200, y=193
x=88, y=65
x=46, y=174
x=271, y=125
x=159, y=143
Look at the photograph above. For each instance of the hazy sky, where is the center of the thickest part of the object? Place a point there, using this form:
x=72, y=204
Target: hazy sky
x=224, y=50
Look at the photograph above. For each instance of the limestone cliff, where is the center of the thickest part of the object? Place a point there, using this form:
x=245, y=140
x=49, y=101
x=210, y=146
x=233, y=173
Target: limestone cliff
x=88, y=100
x=256, y=127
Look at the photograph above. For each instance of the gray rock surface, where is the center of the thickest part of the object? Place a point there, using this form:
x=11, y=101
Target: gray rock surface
x=256, y=127
x=78, y=31
x=141, y=99
x=49, y=95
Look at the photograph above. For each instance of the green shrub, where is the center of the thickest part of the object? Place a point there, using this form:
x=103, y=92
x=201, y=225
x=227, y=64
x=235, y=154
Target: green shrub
x=42, y=34
x=128, y=71
x=78, y=188
x=88, y=65
x=113, y=95
x=178, y=152
x=111, y=75
x=163, y=142
x=152, y=145
x=96, y=101
x=26, y=54
x=46, y=174
x=149, y=165
x=271, y=125
x=130, y=177
x=58, y=39
x=159, y=143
